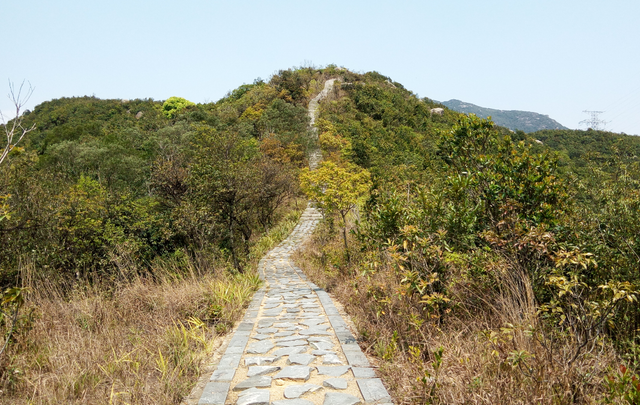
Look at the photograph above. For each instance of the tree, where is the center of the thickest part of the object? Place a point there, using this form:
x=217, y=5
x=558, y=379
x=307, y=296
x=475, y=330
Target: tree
x=173, y=105
x=336, y=189
x=224, y=178
x=15, y=130
x=13, y=298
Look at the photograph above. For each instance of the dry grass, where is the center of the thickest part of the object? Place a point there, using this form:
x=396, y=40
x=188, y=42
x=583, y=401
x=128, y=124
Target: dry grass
x=139, y=340
x=489, y=347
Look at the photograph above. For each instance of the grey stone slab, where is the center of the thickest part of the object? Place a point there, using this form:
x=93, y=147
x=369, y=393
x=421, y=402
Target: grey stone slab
x=373, y=390
x=345, y=337
x=313, y=322
x=284, y=325
x=333, y=371
x=338, y=398
x=316, y=331
x=214, y=393
x=355, y=357
x=295, y=391
x=230, y=360
x=259, y=361
x=363, y=372
x=266, y=331
x=290, y=338
x=331, y=359
x=322, y=345
x=245, y=326
x=288, y=351
x=260, y=336
x=254, y=396
x=285, y=333
x=238, y=341
x=294, y=373
x=319, y=339
x=272, y=312
x=235, y=349
x=261, y=370
x=260, y=347
x=223, y=374
x=292, y=343
x=322, y=352
x=335, y=383
x=262, y=381
x=302, y=359
x=265, y=323
x=296, y=401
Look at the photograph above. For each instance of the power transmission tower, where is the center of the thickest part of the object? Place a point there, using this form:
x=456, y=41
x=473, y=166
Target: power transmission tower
x=594, y=122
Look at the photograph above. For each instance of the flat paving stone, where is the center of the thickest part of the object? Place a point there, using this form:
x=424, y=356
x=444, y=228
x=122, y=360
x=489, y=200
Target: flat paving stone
x=260, y=336
x=301, y=359
x=338, y=398
x=294, y=373
x=373, y=390
x=261, y=370
x=295, y=391
x=260, y=347
x=335, y=383
x=331, y=359
x=259, y=361
x=254, y=396
x=322, y=345
x=333, y=371
x=291, y=343
x=267, y=331
x=263, y=381
x=288, y=351
x=223, y=374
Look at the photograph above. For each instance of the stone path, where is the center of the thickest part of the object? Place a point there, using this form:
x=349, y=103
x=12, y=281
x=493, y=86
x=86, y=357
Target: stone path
x=315, y=156
x=292, y=346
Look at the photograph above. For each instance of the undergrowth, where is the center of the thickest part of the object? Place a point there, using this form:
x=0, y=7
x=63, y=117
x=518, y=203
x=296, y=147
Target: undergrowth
x=140, y=339
x=482, y=344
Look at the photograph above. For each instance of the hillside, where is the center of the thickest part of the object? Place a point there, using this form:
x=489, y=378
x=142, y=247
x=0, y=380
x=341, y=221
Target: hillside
x=478, y=265
x=515, y=120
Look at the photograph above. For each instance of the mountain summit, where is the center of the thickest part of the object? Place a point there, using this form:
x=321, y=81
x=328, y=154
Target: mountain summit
x=523, y=120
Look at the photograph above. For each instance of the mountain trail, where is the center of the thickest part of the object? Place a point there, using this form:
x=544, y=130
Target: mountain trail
x=292, y=347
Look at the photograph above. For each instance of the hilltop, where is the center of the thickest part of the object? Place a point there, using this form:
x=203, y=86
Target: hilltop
x=479, y=264
x=513, y=119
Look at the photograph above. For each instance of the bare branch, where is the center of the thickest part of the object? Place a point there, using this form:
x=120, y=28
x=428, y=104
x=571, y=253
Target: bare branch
x=16, y=131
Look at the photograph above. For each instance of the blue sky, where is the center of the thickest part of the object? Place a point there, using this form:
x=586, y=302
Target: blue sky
x=555, y=57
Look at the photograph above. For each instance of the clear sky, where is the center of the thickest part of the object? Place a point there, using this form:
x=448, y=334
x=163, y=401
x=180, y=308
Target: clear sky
x=554, y=57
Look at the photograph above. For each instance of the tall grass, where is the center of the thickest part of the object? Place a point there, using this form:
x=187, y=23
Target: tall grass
x=488, y=347
x=132, y=340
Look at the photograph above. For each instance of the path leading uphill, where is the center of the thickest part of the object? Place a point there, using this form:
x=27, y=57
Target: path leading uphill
x=293, y=347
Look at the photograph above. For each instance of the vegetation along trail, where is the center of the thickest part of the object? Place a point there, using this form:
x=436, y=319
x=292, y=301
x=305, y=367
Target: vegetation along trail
x=293, y=347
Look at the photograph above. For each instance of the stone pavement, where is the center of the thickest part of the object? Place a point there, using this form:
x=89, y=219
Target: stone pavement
x=293, y=347
x=315, y=154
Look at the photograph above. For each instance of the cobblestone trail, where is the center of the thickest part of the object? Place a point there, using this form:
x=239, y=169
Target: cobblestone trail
x=292, y=346
x=315, y=156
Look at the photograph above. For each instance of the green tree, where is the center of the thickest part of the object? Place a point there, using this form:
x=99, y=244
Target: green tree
x=336, y=188
x=173, y=105
x=223, y=180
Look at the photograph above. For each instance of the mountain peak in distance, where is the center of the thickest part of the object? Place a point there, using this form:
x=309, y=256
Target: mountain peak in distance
x=525, y=121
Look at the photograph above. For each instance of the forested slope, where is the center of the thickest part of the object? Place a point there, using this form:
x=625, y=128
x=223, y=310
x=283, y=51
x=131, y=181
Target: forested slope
x=482, y=265
x=478, y=264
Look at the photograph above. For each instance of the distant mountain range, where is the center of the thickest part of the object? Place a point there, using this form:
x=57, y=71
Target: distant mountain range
x=523, y=120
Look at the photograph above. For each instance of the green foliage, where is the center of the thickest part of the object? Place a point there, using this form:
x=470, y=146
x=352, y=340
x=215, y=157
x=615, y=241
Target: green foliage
x=173, y=105
x=336, y=189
